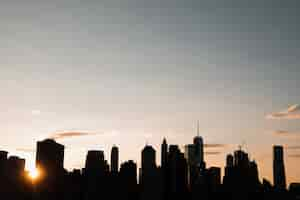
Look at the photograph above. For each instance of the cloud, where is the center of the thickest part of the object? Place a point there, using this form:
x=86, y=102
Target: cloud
x=284, y=133
x=296, y=147
x=290, y=113
x=294, y=155
x=293, y=108
x=215, y=145
x=63, y=135
x=212, y=152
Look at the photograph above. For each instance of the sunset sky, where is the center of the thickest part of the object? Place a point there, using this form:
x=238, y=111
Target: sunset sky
x=130, y=72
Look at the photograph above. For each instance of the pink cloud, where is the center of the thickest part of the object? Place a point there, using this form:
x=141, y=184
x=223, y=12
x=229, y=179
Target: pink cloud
x=294, y=155
x=292, y=112
x=284, y=133
x=212, y=152
x=71, y=134
x=296, y=147
x=215, y=145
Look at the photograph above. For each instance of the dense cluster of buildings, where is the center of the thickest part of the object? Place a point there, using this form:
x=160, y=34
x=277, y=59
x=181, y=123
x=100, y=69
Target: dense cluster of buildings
x=180, y=175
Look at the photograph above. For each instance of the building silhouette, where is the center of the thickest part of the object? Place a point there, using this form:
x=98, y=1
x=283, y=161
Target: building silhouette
x=128, y=181
x=16, y=165
x=95, y=175
x=148, y=159
x=194, y=155
x=95, y=161
x=50, y=164
x=178, y=172
x=12, y=178
x=3, y=159
x=189, y=154
x=278, y=168
x=241, y=177
x=178, y=178
x=214, y=179
x=199, y=152
x=164, y=154
x=114, y=160
x=151, y=179
x=50, y=157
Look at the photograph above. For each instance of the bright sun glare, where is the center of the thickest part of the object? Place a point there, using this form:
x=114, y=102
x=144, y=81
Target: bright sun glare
x=34, y=174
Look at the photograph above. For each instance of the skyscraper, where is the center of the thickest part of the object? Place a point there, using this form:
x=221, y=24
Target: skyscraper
x=128, y=178
x=114, y=160
x=164, y=153
x=178, y=172
x=278, y=168
x=94, y=173
x=151, y=179
x=214, y=178
x=95, y=161
x=229, y=160
x=228, y=169
x=50, y=163
x=199, y=154
x=189, y=154
x=241, y=174
x=128, y=172
x=241, y=158
x=50, y=156
x=148, y=159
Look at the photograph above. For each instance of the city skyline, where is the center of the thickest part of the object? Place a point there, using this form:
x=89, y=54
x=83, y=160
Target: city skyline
x=129, y=72
x=212, y=149
x=179, y=175
x=50, y=160
x=193, y=157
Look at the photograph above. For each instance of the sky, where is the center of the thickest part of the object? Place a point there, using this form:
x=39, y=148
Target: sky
x=130, y=72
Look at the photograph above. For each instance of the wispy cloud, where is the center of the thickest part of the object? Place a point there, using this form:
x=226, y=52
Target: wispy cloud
x=212, y=152
x=296, y=147
x=216, y=149
x=294, y=155
x=69, y=134
x=292, y=112
x=285, y=133
x=215, y=145
x=293, y=108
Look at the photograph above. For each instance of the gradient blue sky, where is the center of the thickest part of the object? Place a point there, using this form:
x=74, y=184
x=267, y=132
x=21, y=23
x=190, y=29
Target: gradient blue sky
x=133, y=71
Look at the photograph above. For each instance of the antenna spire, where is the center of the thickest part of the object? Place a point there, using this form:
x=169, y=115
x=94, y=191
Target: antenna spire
x=198, y=128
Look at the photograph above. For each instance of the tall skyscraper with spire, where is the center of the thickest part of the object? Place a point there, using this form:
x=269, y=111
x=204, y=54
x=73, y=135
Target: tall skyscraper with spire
x=199, y=153
x=164, y=153
x=278, y=168
x=114, y=160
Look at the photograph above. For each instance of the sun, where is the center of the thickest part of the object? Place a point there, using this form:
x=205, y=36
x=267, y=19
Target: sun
x=34, y=174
